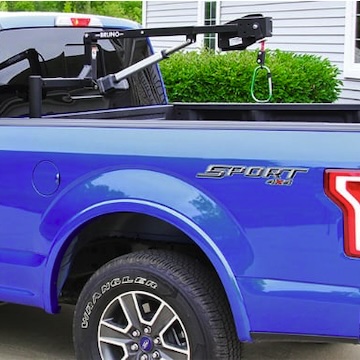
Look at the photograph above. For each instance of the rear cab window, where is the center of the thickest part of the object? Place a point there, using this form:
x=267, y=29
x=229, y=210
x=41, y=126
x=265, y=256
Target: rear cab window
x=59, y=52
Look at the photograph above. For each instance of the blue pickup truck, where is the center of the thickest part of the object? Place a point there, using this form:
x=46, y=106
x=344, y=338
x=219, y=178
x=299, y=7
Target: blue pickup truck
x=178, y=230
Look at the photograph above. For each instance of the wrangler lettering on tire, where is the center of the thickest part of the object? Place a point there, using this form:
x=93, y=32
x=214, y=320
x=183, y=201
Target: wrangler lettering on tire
x=154, y=305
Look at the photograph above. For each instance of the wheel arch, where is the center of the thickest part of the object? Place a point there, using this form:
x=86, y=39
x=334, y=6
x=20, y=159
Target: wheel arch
x=196, y=215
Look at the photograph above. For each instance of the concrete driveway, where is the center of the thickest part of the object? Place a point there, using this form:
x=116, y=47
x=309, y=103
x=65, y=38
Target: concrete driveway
x=28, y=333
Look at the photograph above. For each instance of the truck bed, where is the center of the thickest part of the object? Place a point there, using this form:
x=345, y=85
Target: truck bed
x=308, y=113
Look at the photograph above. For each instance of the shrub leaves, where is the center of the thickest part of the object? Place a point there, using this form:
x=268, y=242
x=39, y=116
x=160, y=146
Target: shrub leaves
x=210, y=77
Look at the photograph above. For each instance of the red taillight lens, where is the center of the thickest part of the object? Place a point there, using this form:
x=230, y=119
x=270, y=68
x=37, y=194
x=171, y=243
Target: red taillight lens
x=343, y=187
x=82, y=22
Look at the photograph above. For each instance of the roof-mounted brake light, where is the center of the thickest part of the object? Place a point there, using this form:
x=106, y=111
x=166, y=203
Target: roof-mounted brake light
x=78, y=21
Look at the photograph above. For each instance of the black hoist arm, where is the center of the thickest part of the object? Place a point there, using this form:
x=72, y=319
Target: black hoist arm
x=235, y=35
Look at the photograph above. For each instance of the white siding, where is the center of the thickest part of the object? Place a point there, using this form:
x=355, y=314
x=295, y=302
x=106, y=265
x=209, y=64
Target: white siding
x=302, y=26
x=168, y=14
x=316, y=27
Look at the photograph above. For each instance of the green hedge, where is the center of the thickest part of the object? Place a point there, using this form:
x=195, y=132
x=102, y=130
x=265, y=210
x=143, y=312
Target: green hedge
x=211, y=77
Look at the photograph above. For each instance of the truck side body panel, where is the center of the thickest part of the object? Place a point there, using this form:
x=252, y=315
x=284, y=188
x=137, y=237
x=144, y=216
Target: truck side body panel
x=280, y=246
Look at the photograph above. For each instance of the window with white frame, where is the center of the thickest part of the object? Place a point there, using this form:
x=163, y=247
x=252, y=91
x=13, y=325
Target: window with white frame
x=352, y=40
x=210, y=19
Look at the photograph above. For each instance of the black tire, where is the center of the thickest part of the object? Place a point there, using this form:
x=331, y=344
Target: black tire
x=149, y=88
x=155, y=304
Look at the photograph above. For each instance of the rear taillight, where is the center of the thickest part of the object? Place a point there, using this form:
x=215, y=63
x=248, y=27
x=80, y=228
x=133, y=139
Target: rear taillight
x=343, y=187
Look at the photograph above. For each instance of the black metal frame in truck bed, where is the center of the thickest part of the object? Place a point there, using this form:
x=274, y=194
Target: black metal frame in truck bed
x=235, y=35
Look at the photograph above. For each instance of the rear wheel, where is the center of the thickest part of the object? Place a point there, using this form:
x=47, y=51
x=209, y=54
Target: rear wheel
x=154, y=305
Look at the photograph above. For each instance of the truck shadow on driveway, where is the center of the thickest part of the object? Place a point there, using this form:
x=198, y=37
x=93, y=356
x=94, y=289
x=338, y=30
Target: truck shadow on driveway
x=300, y=351
x=29, y=333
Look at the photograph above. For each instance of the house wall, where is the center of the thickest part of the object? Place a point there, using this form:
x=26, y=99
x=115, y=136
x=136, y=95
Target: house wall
x=168, y=14
x=316, y=27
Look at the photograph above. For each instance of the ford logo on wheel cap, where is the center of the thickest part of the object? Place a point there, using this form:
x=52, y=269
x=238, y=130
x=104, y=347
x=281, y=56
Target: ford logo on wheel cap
x=146, y=344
